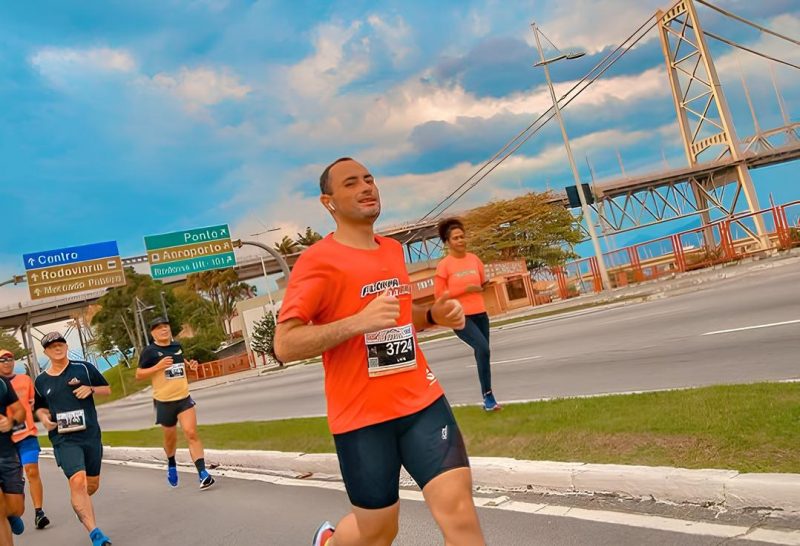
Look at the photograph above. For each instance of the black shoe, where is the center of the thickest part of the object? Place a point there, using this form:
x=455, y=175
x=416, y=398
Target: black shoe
x=41, y=520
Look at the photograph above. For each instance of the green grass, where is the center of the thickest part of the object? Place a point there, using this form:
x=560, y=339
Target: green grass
x=117, y=377
x=750, y=428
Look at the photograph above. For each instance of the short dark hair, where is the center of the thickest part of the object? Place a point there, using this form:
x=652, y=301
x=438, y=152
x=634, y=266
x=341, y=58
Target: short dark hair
x=447, y=225
x=324, y=179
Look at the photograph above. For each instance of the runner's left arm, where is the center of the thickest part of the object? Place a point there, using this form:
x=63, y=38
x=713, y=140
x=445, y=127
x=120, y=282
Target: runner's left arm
x=446, y=312
x=14, y=411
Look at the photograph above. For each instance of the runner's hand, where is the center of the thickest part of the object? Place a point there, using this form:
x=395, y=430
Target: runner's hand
x=448, y=312
x=164, y=363
x=193, y=364
x=84, y=391
x=380, y=313
x=45, y=419
x=5, y=424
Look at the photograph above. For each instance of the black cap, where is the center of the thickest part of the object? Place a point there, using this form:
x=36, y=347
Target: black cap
x=158, y=321
x=51, y=338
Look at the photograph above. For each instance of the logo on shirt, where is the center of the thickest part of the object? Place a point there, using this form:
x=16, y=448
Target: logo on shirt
x=444, y=433
x=379, y=286
x=74, y=381
x=430, y=376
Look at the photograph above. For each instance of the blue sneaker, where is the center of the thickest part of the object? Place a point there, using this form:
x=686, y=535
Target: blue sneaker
x=489, y=403
x=17, y=525
x=172, y=476
x=206, y=480
x=99, y=538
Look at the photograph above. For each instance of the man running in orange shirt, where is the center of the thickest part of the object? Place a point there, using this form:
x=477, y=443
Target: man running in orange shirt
x=349, y=299
x=24, y=435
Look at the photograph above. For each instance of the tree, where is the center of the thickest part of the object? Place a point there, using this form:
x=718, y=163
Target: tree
x=118, y=302
x=308, y=238
x=222, y=288
x=263, y=339
x=287, y=246
x=10, y=343
x=526, y=227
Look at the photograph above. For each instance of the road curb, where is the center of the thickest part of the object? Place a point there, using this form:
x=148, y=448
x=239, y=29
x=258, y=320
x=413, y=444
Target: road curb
x=726, y=488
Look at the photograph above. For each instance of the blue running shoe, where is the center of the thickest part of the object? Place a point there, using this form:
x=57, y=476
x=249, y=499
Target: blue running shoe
x=17, y=525
x=489, y=403
x=206, y=480
x=172, y=476
x=99, y=538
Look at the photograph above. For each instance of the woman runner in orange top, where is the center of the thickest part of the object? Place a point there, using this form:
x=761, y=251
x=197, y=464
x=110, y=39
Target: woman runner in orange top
x=462, y=275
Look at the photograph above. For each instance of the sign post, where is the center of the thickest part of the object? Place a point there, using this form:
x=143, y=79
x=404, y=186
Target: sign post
x=73, y=269
x=190, y=251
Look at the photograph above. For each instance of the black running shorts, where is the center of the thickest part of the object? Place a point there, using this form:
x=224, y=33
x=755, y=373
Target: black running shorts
x=12, y=481
x=426, y=443
x=74, y=457
x=167, y=412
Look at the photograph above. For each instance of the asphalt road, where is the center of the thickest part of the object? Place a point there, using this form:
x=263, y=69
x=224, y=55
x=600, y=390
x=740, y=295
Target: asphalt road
x=660, y=344
x=135, y=507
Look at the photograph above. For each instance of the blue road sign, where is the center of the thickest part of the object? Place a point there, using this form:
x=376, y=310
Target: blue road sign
x=70, y=255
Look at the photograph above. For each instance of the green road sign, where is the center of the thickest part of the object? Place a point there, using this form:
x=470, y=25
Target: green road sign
x=190, y=251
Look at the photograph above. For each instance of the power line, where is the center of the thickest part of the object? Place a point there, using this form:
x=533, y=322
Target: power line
x=747, y=22
x=744, y=48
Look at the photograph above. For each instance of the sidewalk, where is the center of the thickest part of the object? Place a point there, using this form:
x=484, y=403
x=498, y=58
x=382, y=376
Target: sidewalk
x=725, y=488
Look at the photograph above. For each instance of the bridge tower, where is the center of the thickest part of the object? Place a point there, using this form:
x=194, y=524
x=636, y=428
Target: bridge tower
x=704, y=118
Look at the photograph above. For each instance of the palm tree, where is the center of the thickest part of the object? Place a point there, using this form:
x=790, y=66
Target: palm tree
x=287, y=246
x=308, y=238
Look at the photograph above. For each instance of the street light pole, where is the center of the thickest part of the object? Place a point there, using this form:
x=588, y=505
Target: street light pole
x=584, y=207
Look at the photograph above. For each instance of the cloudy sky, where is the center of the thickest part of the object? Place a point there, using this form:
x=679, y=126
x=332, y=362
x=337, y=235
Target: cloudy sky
x=121, y=119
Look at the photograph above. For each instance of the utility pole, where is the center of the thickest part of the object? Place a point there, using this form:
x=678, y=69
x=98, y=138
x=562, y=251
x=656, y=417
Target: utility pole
x=606, y=282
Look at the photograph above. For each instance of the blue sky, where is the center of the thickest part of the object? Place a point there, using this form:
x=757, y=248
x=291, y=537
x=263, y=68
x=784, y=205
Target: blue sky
x=127, y=118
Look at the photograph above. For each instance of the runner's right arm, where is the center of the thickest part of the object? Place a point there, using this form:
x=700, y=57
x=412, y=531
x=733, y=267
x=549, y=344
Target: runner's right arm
x=150, y=364
x=42, y=409
x=296, y=340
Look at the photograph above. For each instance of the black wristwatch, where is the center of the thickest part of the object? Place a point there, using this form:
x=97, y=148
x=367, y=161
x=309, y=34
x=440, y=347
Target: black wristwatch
x=429, y=317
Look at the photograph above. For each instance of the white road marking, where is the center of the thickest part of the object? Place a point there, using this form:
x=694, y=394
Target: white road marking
x=642, y=521
x=523, y=359
x=770, y=325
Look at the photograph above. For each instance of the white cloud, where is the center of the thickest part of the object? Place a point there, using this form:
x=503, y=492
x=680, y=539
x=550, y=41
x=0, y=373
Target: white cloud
x=338, y=59
x=202, y=86
x=383, y=123
x=63, y=64
x=396, y=34
x=606, y=23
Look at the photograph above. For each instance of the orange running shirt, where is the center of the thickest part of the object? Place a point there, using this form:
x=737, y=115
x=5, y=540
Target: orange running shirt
x=369, y=378
x=455, y=274
x=23, y=386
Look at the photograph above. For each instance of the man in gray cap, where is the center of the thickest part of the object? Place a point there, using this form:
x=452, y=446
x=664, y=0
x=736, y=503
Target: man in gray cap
x=162, y=362
x=64, y=403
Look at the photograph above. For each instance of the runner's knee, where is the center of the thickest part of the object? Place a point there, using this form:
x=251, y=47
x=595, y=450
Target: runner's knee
x=378, y=529
x=32, y=471
x=78, y=482
x=191, y=435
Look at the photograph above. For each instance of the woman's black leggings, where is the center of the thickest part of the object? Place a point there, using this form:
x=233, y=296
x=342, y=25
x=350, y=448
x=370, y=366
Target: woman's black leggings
x=476, y=335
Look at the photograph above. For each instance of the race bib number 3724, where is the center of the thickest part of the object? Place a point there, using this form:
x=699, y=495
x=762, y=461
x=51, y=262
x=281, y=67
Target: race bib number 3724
x=391, y=351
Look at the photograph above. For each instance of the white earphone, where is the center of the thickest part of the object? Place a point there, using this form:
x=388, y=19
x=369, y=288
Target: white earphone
x=331, y=207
